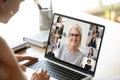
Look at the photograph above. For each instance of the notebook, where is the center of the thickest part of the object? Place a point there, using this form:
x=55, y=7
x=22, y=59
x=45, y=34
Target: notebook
x=73, y=48
x=39, y=39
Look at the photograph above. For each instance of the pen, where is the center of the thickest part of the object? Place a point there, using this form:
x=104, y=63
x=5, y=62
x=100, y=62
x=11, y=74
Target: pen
x=38, y=4
x=26, y=47
x=51, y=4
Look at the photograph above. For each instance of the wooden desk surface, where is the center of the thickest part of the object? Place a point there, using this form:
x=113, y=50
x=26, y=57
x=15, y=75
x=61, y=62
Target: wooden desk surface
x=34, y=51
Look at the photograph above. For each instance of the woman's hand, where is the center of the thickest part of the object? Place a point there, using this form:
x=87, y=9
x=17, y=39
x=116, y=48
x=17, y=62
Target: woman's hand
x=21, y=58
x=40, y=75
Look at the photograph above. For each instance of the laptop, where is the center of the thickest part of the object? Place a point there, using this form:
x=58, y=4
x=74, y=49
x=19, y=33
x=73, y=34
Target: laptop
x=72, y=50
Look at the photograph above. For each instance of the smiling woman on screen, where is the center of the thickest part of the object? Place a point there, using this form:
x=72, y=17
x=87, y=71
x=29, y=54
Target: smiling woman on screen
x=71, y=52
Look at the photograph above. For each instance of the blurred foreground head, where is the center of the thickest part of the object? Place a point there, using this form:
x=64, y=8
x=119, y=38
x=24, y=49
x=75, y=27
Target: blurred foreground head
x=8, y=8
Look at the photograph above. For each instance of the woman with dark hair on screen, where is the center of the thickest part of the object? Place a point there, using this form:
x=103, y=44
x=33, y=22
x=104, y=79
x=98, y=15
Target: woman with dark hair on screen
x=58, y=23
x=95, y=32
x=71, y=52
x=9, y=68
x=92, y=43
x=56, y=34
x=90, y=54
x=92, y=38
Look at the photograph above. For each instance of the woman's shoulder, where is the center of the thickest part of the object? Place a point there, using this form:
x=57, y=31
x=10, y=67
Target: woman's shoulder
x=1, y=38
x=2, y=41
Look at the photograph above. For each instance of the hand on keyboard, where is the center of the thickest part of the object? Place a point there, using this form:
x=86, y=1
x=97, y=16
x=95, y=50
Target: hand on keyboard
x=42, y=75
x=22, y=58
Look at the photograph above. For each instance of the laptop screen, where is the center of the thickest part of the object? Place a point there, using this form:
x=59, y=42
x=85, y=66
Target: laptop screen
x=74, y=42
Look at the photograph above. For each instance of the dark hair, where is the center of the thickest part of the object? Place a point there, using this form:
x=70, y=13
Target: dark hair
x=97, y=32
x=57, y=28
x=92, y=43
x=89, y=51
x=93, y=38
x=88, y=60
x=52, y=47
x=58, y=19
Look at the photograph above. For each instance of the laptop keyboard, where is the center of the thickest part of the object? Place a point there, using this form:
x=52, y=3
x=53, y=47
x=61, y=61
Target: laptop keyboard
x=57, y=71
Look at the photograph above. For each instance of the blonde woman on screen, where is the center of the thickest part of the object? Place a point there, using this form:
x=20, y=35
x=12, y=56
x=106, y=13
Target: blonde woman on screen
x=9, y=68
x=70, y=52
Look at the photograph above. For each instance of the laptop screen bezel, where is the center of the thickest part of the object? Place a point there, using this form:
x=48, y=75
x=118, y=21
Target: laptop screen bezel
x=68, y=64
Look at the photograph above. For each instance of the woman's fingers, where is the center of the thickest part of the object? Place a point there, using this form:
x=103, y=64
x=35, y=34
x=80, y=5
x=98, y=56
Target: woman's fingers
x=47, y=77
x=44, y=72
x=34, y=76
x=23, y=67
x=40, y=75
